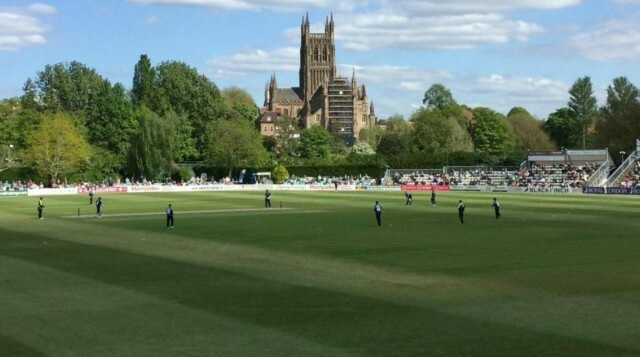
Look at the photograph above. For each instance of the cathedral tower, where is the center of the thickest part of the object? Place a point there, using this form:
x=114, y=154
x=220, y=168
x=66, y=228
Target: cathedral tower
x=317, y=57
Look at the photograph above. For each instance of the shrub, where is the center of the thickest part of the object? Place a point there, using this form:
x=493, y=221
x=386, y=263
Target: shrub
x=280, y=173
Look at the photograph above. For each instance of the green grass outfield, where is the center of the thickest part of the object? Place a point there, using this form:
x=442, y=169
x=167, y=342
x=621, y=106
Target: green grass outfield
x=557, y=275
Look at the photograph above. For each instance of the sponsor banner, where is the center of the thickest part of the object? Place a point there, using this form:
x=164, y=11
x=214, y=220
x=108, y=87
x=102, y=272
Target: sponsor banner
x=138, y=189
x=466, y=188
x=109, y=189
x=52, y=191
x=293, y=187
x=322, y=187
x=546, y=189
x=425, y=187
x=623, y=190
x=594, y=190
x=379, y=188
x=14, y=193
x=499, y=189
x=159, y=188
x=249, y=187
x=346, y=187
x=203, y=188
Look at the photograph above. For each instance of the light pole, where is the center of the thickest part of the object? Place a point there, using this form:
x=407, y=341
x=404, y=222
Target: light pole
x=622, y=157
x=9, y=155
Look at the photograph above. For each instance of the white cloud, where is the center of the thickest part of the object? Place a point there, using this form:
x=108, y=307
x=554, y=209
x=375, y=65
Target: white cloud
x=41, y=9
x=614, y=40
x=397, y=77
x=151, y=20
x=407, y=24
x=19, y=29
x=473, y=6
x=444, y=32
x=540, y=96
x=280, y=5
x=255, y=61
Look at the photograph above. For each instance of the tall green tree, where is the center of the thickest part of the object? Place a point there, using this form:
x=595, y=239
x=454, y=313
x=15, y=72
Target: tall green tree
x=492, y=138
x=234, y=143
x=564, y=128
x=190, y=94
x=584, y=104
x=152, y=144
x=144, y=90
x=56, y=147
x=439, y=97
x=109, y=119
x=618, y=124
x=316, y=142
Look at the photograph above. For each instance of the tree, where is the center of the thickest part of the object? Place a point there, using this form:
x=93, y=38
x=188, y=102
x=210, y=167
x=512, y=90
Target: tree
x=620, y=96
x=315, y=142
x=396, y=137
x=564, y=128
x=103, y=111
x=517, y=111
x=68, y=87
x=431, y=131
x=287, y=138
x=362, y=149
x=189, y=94
x=152, y=144
x=234, y=143
x=439, y=97
x=8, y=132
x=397, y=124
x=528, y=133
x=618, y=124
x=280, y=173
x=492, y=137
x=56, y=147
x=240, y=103
x=436, y=131
x=583, y=103
x=391, y=143
x=144, y=91
x=109, y=119
x=371, y=135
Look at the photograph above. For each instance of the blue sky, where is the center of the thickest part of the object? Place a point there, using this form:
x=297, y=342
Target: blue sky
x=493, y=53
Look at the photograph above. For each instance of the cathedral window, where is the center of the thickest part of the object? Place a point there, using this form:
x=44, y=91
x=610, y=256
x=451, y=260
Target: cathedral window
x=315, y=53
x=324, y=54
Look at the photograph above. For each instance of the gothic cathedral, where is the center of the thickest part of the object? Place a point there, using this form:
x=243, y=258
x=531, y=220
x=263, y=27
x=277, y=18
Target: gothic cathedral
x=323, y=97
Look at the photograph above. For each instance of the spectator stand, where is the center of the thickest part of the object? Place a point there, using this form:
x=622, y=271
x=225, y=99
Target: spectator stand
x=415, y=177
x=482, y=175
x=567, y=168
x=478, y=175
x=626, y=175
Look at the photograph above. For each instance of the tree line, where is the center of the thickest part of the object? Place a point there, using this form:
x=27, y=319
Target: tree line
x=73, y=124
